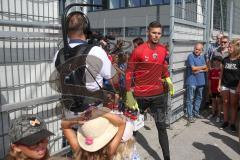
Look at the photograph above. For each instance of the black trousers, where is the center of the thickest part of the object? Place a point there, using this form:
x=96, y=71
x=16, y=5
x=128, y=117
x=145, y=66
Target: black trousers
x=158, y=106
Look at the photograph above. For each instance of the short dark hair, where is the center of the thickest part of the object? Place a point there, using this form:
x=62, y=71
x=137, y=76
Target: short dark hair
x=154, y=24
x=138, y=41
x=76, y=23
x=217, y=58
x=225, y=37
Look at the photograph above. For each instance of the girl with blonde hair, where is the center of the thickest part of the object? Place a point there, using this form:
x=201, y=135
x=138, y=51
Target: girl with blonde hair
x=108, y=137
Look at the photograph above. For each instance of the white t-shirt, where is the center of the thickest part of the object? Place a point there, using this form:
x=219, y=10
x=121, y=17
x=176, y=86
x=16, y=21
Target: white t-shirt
x=98, y=64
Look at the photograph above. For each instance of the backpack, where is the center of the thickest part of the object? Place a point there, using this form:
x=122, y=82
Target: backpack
x=72, y=67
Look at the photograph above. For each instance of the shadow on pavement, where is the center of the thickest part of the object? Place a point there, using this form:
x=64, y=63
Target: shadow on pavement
x=234, y=145
x=210, y=123
x=143, y=142
x=211, y=152
x=213, y=123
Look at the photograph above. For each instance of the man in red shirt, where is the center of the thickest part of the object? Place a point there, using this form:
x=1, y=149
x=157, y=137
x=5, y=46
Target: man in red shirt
x=148, y=67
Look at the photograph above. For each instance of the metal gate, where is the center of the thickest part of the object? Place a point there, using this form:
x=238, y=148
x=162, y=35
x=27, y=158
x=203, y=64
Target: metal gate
x=29, y=37
x=187, y=26
x=194, y=21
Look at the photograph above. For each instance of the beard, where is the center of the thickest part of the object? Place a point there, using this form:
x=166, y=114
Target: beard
x=155, y=41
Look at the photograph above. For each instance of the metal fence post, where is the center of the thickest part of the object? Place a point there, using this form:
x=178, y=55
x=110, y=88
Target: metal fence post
x=221, y=14
x=208, y=22
x=183, y=9
x=104, y=27
x=212, y=15
x=231, y=19
x=171, y=47
x=61, y=6
x=124, y=27
x=146, y=25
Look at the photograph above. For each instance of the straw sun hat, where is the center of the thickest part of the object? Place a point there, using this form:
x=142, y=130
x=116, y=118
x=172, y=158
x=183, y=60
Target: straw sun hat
x=95, y=134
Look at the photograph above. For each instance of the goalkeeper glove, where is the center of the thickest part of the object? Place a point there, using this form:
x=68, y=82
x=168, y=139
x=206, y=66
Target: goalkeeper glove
x=170, y=85
x=130, y=101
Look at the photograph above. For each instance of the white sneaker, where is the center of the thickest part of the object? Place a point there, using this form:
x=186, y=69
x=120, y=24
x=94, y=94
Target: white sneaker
x=218, y=119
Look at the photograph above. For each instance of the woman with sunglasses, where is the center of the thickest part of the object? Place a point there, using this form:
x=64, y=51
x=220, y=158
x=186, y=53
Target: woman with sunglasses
x=229, y=80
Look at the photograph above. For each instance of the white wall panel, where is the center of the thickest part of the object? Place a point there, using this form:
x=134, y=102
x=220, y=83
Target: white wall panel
x=182, y=47
x=177, y=104
x=180, y=57
x=16, y=96
x=178, y=76
x=178, y=65
x=179, y=85
x=187, y=32
x=9, y=75
x=3, y=82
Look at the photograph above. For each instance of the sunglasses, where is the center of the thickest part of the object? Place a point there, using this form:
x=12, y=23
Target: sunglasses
x=224, y=42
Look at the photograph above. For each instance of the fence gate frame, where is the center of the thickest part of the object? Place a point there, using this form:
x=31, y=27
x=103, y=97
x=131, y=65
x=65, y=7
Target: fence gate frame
x=29, y=38
x=184, y=34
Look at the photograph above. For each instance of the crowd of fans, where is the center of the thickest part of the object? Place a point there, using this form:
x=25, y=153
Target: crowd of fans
x=223, y=59
x=97, y=133
x=219, y=71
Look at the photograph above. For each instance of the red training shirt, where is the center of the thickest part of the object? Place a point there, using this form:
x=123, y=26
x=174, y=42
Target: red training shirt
x=214, y=76
x=147, y=67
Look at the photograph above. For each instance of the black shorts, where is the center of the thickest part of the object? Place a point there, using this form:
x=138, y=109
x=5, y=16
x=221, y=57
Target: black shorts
x=216, y=95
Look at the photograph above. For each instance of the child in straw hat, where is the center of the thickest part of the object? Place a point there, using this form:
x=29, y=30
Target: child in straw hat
x=108, y=137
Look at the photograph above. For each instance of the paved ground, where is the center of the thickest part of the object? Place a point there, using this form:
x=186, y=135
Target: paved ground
x=202, y=140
